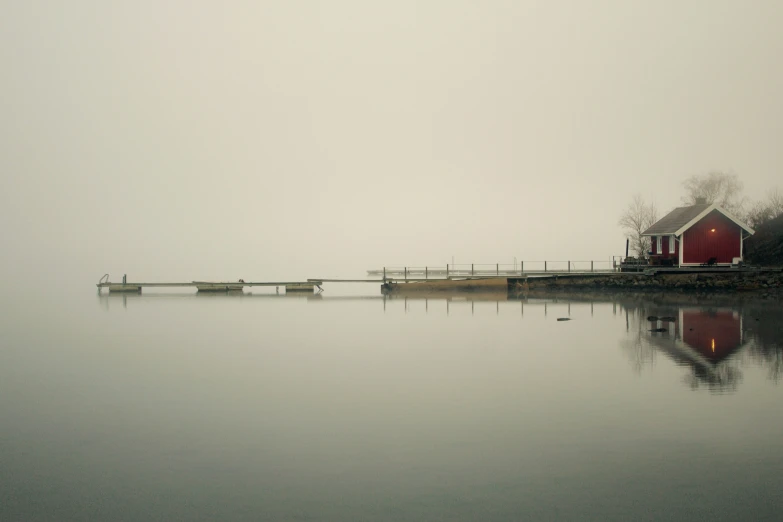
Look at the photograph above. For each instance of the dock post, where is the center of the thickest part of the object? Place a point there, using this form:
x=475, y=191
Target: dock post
x=384, y=274
x=405, y=272
x=521, y=267
x=544, y=266
x=471, y=269
x=569, y=266
x=426, y=273
x=447, y=270
x=497, y=269
x=591, y=266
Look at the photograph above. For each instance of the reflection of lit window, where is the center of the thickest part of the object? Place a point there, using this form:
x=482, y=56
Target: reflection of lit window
x=713, y=230
x=713, y=346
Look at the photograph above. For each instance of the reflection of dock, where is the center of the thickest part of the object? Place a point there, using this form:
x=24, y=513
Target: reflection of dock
x=445, y=302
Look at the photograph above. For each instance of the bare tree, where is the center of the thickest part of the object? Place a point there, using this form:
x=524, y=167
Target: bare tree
x=721, y=188
x=766, y=210
x=638, y=217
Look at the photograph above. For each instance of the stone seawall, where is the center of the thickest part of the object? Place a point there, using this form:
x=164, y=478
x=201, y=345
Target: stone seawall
x=730, y=282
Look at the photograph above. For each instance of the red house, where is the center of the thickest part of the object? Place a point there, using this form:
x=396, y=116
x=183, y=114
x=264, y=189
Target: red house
x=702, y=234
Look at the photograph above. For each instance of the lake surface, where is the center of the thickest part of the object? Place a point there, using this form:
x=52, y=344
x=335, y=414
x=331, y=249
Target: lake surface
x=351, y=406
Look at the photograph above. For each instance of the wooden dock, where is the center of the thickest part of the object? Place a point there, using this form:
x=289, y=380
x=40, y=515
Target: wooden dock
x=483, y=270
x=210, y=286
x=451, y=276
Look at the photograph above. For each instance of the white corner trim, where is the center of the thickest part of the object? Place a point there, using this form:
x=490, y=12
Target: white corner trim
x=682, y=248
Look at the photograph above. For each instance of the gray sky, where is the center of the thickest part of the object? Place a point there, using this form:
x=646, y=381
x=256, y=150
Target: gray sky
x=179, y=140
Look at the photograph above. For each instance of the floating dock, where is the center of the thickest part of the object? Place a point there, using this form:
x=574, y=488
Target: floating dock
x=211, y=286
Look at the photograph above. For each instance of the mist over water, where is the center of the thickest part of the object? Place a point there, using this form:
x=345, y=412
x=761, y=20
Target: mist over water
x=348, y=405
x=266, y=140
x=190, y=140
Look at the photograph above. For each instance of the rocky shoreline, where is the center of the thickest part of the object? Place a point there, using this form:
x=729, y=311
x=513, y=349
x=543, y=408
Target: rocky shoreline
x=760, y=284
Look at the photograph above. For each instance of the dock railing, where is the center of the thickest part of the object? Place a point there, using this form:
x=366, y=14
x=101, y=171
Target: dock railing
x=519, y=269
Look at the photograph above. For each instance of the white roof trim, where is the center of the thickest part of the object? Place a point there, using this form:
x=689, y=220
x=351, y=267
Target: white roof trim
x=706, y=211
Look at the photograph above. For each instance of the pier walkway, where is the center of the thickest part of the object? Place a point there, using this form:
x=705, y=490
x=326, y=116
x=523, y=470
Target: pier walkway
x=210, y=286
x=481, y=275
x=473, y=270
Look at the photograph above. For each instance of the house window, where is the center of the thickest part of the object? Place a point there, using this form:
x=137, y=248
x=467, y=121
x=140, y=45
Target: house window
x=658, y=247
x=671, y=244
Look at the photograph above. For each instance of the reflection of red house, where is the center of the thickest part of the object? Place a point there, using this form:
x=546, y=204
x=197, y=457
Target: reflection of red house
x=705, y=340
x=713, y=334
x=696, y=235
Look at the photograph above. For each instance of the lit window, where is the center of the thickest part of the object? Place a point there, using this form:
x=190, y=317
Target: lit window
x=671, y=244
x=659, y=246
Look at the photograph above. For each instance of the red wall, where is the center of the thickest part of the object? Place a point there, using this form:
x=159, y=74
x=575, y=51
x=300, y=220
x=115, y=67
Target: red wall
x=701, y=243
x=665, y=247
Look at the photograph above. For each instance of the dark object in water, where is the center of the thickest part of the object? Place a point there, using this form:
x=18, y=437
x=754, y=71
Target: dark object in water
x=563, y=318
x=667, y=318
x=652, y=317
x=659, y=330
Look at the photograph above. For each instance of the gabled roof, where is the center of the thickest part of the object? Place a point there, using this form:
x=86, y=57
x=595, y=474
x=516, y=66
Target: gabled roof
x=682, y=218
x=674, y=220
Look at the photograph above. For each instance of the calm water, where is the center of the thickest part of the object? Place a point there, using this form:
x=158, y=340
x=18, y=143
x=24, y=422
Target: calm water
x=351, y=407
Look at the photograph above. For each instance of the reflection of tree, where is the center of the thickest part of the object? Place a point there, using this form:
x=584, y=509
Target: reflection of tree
x=723, y=377
x=751, y=329
x=776, y=367
x=763, y=325
x=640, y=352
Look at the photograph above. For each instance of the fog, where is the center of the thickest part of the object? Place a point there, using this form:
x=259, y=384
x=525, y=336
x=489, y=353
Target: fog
x=268, y=140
